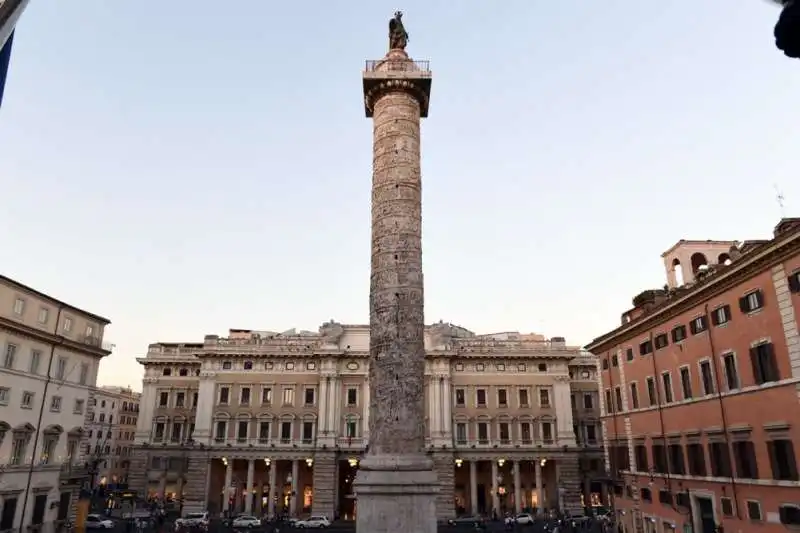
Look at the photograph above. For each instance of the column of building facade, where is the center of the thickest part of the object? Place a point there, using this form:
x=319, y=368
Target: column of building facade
x=293, y=499
x=539, y=491
x=248, y=490
x=447, y=402
x=495, y=496
x=206, y=394
x=147, y=404
x=563, y=404
x=517, y=488
x=473, y=487
x=272, y=489
x=324, y=405
x=366, y=409
x=226, y=489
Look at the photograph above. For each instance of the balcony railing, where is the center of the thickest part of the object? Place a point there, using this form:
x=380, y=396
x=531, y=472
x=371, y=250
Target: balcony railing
x=255, y=442
x=504, y=443
x=398, y=65
x=350, y=442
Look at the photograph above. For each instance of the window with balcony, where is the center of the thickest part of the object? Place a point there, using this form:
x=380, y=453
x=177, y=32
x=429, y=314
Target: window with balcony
x=544, y=398
x=308, y=432
x=244, y=396
x=351, y=428
x=744, y=456
x=697, y=459
x=707, y=378
x=352, y=397
x=286, y=432
x=765, y=366
x=525, y=432
x=652, y=398
x=782, y=460
x=288, y=396
x=49, y=444
x=224, y=395
x=502, y=398
x=634, y=395
x=309, y=396
x=263, y=432
x=505, y=433
x=266, y=395
x=483, y=433
x=461, y=398
x=19, y=445
x=686, y=383
x=547, y=432
x=177, y=430
x=180, y=399
x=461, y=433
x=221, y=431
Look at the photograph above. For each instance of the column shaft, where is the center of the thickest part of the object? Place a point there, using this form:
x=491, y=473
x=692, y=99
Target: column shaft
x=272, y=493
x=495, y=498
x=226, y=490
x=248, y=490
x=517, y=488
x=539, y=491
x=473, y=487
x=294, y=496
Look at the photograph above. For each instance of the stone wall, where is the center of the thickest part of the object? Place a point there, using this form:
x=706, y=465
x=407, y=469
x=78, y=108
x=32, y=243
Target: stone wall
x=325, y=478
x=444, y=464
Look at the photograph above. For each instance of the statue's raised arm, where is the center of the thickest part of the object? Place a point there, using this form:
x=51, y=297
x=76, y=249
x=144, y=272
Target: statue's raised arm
x=398, y=37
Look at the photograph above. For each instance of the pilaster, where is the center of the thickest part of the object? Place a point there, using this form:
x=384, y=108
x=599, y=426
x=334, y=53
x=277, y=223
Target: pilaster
x=147, y=404
x=206, y=396
x=562, y=391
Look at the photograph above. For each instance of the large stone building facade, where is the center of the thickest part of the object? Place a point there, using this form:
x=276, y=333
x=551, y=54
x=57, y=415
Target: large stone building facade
x=51, y=352
x=110, y=432
x=264, y=423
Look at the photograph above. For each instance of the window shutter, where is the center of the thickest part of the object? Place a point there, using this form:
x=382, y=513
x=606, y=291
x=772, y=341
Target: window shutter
x=771, y=362
x=675, y=335
x=760, y=298
x=773, y=461
x=757, y=374
x=704, y=323
x=714, y=319
x=728, y=314
x=692, y=327
x=743, y=305
x=794, y=282
x=791, y=461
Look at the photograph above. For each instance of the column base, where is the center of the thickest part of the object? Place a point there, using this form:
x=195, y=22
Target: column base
x=396, y=493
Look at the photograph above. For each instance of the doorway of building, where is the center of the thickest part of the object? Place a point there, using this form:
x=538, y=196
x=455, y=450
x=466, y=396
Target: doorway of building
x=705, y=514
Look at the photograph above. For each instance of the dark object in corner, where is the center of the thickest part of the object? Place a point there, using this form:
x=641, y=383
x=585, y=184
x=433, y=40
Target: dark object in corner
x=787, y=29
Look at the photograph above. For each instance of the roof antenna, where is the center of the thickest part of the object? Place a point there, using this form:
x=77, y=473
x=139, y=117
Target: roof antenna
x=780, y=199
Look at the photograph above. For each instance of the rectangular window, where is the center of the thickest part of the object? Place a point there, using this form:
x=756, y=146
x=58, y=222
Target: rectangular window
x=591, y=434
x=502, y=397
x=10, y=356
x=642, y=463
x=676, y=462
x=525, y=432
x=36, y=361
x=547, y=432
x=505, y=433
x=224, y=395
x=544, y=398
x=461, y=433
x=686, y=383
x=19, y=306
x=55, y=404
x=678, y=333
x=177, y=429
x=308, y=432
x=460, y=398
x=744, y=454
x=721, y=315
x=782, y=460
x=352, y=397
x=765, y=367
x=180, y=399
x=483, y=433
x=43, y=315
x=288, y=396
x=221, y=431
x=523, y=398
x=244, y=396
x=751, y=302
x=731, y=373
x=697, y=459
x=309, y=396
x=27, y=400
x=645, y=348
x=61, y=368
x=263, y=432
x=707, y=377
x=720, y=458
x=480, y=398
x=618, y=398
x=163, y=399
x=84, y=375
x=286, y=432
x=659, y=458
x=266, y=395
x=652, y=398
x=661, y=341
x=666, y=383
x=629, y=354
x=634, y=396
x=609, y=402
x=698, y=325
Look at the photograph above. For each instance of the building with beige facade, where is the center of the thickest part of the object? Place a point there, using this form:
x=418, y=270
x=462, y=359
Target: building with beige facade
x=264, y=422
x=51, y=352
x=110, y=432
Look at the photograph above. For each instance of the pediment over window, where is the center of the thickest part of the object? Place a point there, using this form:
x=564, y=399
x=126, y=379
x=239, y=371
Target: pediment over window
x=24, y=428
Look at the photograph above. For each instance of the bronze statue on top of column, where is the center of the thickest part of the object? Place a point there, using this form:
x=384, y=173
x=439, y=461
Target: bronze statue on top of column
x=398, y=37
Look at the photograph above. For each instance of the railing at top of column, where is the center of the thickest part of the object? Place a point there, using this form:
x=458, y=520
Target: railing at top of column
x=398, y=65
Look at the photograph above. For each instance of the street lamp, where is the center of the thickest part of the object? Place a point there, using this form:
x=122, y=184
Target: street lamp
x=787, y=29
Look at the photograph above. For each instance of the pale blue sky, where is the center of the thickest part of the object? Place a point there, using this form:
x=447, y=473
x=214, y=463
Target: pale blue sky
x=183, y=167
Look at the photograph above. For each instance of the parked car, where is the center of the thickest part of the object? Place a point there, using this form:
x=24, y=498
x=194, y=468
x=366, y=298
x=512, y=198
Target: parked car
x=522, y=519
x=246, y=522
x=95, y=521
x=316, y=521
x=192, y=521
x=476, y=522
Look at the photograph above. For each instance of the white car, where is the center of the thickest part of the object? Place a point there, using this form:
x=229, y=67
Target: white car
x=95, y=521
x=246, y=522
x=317, y=521
x=521, y=519
x=192, y=520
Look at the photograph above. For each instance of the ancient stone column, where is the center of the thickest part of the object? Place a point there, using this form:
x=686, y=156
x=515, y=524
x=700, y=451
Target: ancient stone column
x=396, y=485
